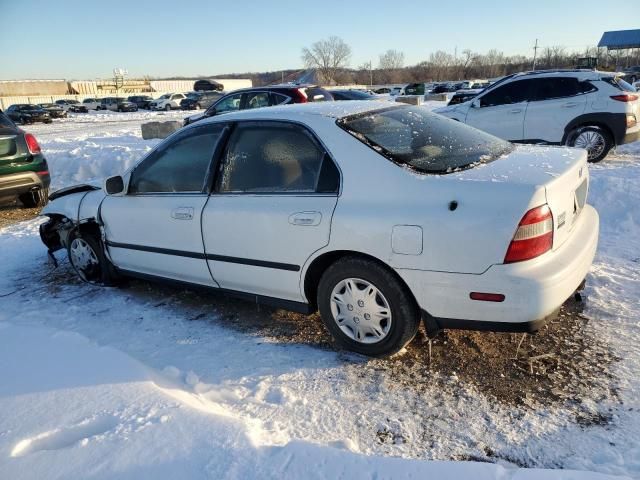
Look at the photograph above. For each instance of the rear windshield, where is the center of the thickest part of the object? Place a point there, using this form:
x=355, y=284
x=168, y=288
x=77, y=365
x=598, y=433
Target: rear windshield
x=5, y=122
x=424, y=141
x=619, y=83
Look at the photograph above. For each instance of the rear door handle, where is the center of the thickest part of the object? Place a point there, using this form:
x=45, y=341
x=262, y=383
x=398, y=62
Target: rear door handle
x=570, y=104
x=305, y=219
x=182, y=213
x=515, y=110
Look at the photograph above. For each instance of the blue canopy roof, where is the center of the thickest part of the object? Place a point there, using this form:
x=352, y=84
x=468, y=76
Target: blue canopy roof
x=620, y=39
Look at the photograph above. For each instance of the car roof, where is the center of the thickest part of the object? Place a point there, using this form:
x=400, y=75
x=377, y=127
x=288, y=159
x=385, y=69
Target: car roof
x=584, y=74
x=298, y=111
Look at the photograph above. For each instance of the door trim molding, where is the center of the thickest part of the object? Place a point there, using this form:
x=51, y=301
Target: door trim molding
x=206, y=256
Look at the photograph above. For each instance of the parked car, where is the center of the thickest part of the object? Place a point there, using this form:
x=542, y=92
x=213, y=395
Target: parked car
x=72, y=106
x=198, y=100
x=632, y=74
x=170, y=101
x=415, y=89
x=463, y=96
x=350, y=95
x=382, y=90
x=208, y=86
x=263, y=97
x=142, y=101
x=118, y=104
x=25, y=113
x=92, y=103
x=579, y=108
x=283, y=206
x=24, y=173
x=54, y=111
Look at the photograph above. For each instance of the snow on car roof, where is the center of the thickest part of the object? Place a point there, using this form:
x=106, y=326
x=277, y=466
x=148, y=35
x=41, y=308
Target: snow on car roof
x=333, y=110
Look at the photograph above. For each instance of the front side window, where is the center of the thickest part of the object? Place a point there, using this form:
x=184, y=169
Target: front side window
x=230, y=103
x=423, y=141
x=274, y=157
x=513, y=92
x=180, y=165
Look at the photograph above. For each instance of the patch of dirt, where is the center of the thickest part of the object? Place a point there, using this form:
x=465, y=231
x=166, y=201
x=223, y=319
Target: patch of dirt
x=14, y=213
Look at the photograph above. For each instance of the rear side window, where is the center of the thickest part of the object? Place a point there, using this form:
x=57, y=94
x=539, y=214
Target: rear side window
x=257, y=99
x=181, y=165
x=551, y=87
x=424, y=141
x=272, y=157
x=279, y=99
x=513, y=92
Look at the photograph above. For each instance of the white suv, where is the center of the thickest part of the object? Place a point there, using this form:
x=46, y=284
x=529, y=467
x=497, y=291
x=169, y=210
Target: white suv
x=579, y=108
x=170, y=101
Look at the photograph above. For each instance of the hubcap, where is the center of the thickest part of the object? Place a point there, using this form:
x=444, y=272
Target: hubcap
x=593, y=142
x=83, y=259
x=360, y=310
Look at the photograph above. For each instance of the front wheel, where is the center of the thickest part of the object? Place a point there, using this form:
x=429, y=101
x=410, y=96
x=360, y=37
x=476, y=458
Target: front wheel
x=596, y=141
x=167, y=107
x=87, y=258
x=366, y=307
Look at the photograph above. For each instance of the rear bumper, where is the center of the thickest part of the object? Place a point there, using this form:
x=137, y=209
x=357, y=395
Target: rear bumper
x=19, y=183
x=534, y=290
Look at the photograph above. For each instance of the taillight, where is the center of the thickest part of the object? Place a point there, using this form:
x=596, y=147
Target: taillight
x=301, y=96
x=533, y=237
x=32, y=143
x=625, y=97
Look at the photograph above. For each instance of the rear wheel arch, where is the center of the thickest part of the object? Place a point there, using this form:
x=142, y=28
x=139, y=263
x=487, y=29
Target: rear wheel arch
x=320, y=264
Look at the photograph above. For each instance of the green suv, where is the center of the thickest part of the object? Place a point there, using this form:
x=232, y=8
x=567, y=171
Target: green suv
x=24, y=173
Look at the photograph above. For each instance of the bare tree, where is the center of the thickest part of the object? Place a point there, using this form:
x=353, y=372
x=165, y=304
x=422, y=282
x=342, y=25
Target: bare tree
x=328, y=56
x=391, y=60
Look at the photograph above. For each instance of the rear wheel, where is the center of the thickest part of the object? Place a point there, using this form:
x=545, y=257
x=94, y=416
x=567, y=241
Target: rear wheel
x=37, y=198
x=366, y=308
x=87, y=258
x=596, y=141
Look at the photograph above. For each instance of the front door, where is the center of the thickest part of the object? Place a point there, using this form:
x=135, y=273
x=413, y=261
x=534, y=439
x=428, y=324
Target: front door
x=155, y=227
x=501, y=111
x=271, y=208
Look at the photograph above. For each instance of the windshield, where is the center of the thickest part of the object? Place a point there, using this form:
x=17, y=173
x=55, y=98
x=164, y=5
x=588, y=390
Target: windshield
x=424, y=141
x=31, y=107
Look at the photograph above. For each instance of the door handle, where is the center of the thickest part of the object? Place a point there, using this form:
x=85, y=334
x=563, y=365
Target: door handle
x=182, y=213
x=305, y=219
x=515, y=110
x=570, y=104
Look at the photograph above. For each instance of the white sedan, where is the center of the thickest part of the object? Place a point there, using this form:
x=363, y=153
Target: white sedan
x=379, y=216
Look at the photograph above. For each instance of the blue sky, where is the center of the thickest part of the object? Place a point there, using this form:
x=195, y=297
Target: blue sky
x=86, y=39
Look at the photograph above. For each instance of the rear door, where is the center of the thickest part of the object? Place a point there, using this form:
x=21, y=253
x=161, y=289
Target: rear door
x=155, y=227
x=271, y=208
x=555, y=102
x=501, y=111
x=12, y=150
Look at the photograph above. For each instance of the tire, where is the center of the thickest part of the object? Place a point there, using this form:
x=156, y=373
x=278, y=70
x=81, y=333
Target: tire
x=400, y=315
x=597, y=141
x=198, y=107
x=35, y=199
x=25, y=121
x=167, y=107
x=87, y=258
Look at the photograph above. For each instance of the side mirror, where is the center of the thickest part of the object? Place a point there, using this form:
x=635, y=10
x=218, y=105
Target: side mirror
x=210, y=112
x=475, y=103
x=114, y=185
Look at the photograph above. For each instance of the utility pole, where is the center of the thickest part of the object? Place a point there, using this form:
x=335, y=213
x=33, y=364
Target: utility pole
x=535, y=54
x=370, y=73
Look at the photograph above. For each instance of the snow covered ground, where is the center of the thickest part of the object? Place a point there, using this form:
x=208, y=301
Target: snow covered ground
x=152, y=382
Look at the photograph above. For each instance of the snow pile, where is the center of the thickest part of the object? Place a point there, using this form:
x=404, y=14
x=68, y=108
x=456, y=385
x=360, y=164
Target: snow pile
x=73, y=409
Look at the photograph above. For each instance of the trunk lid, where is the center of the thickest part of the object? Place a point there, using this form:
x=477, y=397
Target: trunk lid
x=562, y=172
